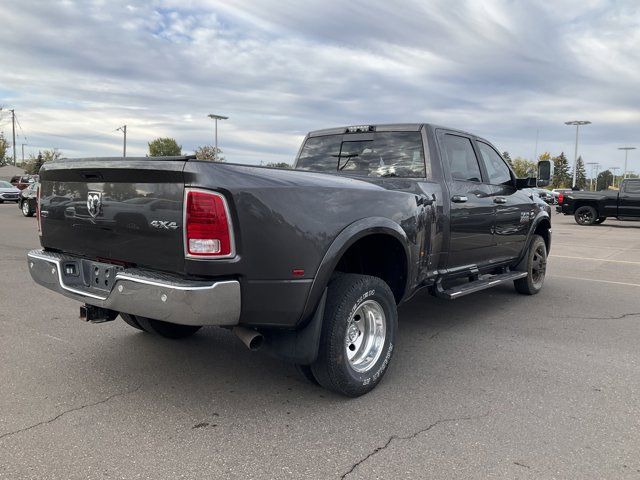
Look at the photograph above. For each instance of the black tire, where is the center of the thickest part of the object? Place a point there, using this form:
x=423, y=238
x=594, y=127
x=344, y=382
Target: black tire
x=25, y=208
x=600, y=220
x=535, y=264
x=131, y=321
x=163, y=329
x=585, y=215
x=306, y=373
x=348, y=295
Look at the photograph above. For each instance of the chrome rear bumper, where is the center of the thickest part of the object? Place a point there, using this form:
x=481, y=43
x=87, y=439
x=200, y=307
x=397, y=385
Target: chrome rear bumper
x=144, y=293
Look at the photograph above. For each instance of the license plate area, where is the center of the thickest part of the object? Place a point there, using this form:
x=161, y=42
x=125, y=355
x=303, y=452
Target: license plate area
x=89, y=276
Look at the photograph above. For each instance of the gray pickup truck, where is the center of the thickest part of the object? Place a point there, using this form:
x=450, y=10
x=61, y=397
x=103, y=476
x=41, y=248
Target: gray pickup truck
x=308, y=264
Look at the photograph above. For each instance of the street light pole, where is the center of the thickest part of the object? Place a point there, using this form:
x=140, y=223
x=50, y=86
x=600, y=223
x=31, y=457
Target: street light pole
x=123, y=129
x=593, y=166
x=215, y=119
x=577, y=123
x=615, y=174
x=626, y=155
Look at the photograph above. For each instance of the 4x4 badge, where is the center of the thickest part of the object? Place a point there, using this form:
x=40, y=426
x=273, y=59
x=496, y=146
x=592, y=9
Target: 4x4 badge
x=94, y=203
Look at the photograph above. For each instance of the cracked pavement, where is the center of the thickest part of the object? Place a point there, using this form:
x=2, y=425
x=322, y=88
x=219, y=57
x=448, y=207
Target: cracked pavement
x=492, y=385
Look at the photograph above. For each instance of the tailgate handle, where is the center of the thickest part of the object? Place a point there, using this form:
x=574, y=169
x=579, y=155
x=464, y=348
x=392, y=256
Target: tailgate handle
x=91, y=175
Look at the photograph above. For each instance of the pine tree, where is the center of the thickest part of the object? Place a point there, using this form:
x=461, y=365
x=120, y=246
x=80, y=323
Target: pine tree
x=561, y=176
x=581, y=174
x=507, y=157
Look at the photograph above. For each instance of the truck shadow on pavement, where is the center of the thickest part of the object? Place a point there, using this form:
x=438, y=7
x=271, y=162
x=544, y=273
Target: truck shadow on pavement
x=215, y=364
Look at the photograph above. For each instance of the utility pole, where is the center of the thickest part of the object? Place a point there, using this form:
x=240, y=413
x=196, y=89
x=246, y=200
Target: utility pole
x=577, y=123
x=23, y=153
x=13, y=125
x=626, y=155
x=215, y=119
x=123, y=129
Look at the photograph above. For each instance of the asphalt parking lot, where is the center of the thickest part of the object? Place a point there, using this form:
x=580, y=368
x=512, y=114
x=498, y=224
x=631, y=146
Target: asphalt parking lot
x=495, y=385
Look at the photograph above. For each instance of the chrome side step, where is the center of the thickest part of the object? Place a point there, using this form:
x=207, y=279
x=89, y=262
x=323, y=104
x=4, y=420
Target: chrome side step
x=482, y=283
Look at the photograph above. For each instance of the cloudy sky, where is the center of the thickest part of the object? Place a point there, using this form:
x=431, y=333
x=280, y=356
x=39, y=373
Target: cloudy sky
x=504, y=69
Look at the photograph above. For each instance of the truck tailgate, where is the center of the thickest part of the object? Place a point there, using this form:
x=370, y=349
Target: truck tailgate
x=123, y=210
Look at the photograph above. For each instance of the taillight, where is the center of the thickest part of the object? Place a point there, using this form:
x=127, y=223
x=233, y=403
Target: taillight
x=560, y=198
x=38, y=220
x=207, y=225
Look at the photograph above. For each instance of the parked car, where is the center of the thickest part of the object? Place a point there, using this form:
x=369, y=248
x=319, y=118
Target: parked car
x=590, y=208
x=308, y=264
x=8, y=193
x=546, y=195
x=22, y=181
x=28, y=200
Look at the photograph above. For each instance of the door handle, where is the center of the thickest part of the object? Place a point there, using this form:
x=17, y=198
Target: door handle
x=459, y=199
x=500, y=200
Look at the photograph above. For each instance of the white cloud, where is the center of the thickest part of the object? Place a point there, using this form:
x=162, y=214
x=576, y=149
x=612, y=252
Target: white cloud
x=76, y=71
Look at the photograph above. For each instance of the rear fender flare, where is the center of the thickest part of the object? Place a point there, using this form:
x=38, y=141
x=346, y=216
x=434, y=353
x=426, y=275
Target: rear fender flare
x=347, y=237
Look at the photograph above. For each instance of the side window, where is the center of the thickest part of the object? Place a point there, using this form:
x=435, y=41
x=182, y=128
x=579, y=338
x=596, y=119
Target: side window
x=632, y=187
x=462, y=159
x=499, y=173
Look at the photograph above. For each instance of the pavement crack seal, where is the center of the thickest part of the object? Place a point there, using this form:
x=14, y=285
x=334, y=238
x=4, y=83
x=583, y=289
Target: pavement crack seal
x=613, y=317
x=411, y=436
x=75, y=409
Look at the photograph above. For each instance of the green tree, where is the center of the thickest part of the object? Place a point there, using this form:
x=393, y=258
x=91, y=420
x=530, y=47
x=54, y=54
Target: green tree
x=34, y=163
x=279, y=165
x=507, y=157
x=4, y=146
x=581, y=174
x=164, y=147
x=208, y=152
x=524, y=168
x=604, y=180
x=561, y=176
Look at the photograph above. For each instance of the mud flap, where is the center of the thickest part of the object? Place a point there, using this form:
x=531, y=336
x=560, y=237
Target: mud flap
x=297, y=346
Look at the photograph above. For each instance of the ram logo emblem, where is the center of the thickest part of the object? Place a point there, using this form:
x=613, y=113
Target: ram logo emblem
x=94, y=203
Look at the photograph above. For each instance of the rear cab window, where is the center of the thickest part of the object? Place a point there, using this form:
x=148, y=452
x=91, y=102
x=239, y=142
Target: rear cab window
x=632, y=186
x=463, y=163
x=370, y=154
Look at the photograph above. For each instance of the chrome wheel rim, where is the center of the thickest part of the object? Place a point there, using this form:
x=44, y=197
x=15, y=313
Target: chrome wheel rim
x=25, y=208
x=365, y=336
x=538, y=265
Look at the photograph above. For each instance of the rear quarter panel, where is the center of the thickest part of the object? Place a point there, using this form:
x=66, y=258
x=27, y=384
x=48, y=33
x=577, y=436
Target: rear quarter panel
x=286, y=220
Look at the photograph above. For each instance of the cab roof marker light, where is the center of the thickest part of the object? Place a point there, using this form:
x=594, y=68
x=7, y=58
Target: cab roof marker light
x=360, y=129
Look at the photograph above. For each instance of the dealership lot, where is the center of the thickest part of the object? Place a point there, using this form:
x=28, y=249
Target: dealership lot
x=494, y=384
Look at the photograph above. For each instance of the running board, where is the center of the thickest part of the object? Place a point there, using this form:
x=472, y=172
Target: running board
x=482, y=283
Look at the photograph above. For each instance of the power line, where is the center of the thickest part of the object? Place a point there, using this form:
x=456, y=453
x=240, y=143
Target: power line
x=20, y=126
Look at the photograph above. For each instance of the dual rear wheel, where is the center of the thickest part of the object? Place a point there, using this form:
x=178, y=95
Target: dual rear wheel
x=358, y=335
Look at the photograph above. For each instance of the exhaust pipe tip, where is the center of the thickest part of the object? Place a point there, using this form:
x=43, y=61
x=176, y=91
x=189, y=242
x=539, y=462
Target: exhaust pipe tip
x=252, y=339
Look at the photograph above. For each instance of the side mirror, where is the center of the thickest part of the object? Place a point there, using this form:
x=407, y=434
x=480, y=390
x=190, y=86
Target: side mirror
x=544, y=173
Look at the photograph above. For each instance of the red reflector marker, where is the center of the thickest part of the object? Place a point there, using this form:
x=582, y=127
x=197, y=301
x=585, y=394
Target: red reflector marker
x=297, y=272
x=207, y=226
x=560, y=198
